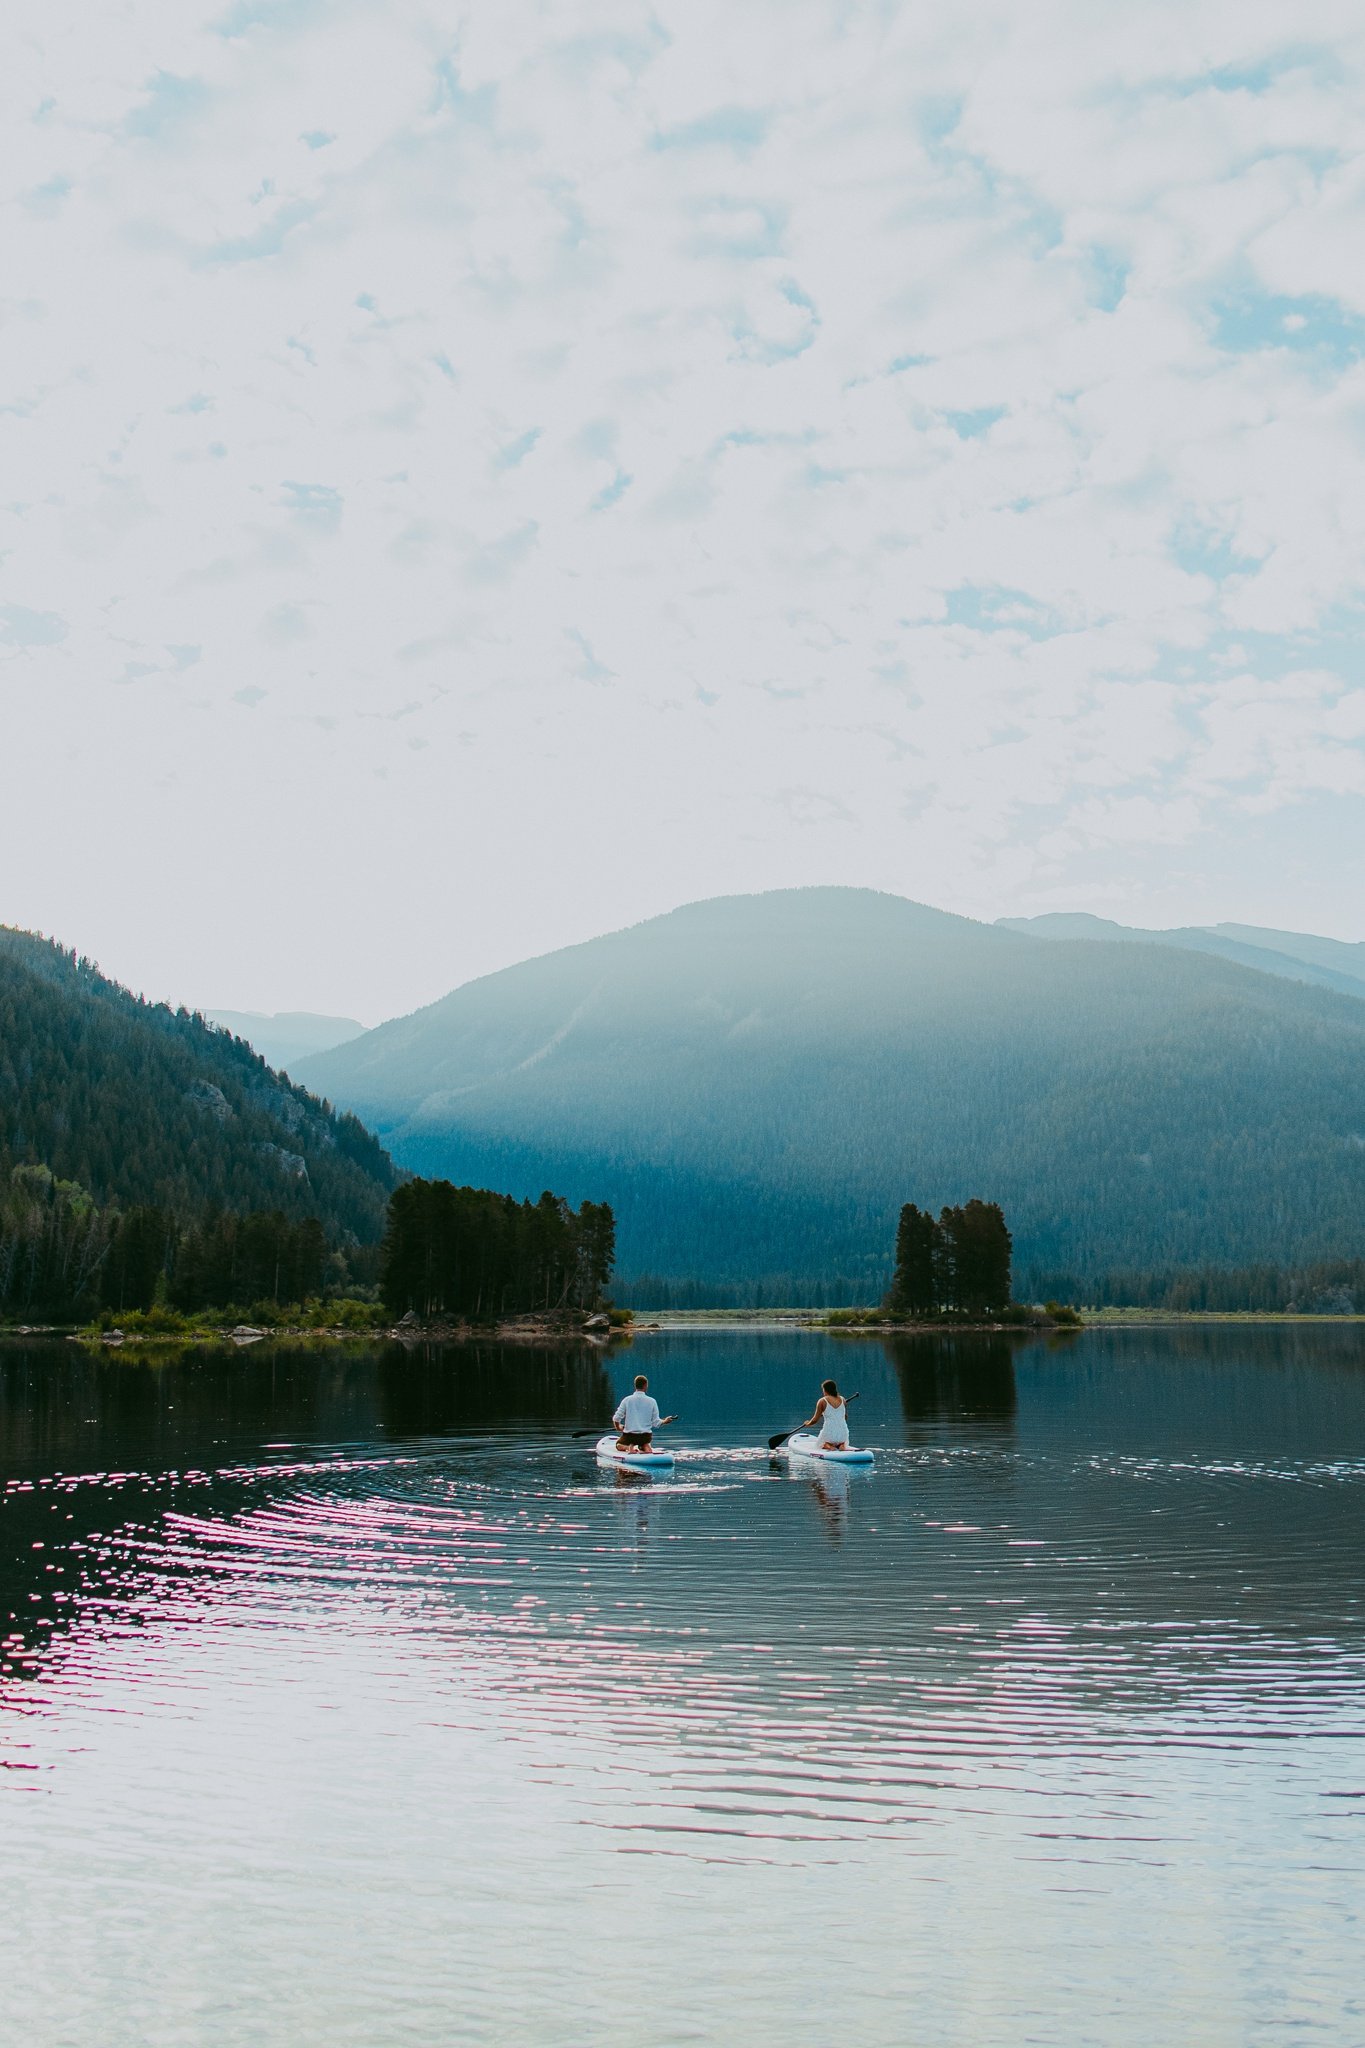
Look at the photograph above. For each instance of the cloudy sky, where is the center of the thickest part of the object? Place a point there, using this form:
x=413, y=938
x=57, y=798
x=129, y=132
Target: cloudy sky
x=472, y=476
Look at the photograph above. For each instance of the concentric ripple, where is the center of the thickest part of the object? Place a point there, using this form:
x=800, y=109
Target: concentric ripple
x=1046, y=1728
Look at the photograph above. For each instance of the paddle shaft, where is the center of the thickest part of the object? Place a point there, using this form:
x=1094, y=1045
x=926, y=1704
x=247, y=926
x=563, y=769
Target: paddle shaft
x=775, y=1443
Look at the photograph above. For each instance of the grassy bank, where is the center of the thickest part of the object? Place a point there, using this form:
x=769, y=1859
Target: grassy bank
x=1147, y=1318
x=872, y=1321
x=344, y=1321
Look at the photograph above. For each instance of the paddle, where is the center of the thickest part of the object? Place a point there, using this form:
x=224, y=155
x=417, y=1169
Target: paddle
x=775, y=1443
x=603, y=1428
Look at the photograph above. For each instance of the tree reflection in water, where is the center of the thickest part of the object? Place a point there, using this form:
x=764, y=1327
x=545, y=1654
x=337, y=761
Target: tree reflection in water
x=964, y=1380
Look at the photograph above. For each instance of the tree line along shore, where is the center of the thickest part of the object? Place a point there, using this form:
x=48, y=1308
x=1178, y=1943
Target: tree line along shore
x=453, y=1260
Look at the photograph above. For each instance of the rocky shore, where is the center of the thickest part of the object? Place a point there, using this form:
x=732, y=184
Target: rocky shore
x=409, y=1329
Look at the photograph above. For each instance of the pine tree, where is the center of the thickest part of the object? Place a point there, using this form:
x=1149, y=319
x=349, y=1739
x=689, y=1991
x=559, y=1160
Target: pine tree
x=914, y=1286
x=595, y=1252
x=980, y=1257
x=948, y=1259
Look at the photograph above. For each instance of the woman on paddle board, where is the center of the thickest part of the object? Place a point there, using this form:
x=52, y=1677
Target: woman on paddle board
x=831, y=1415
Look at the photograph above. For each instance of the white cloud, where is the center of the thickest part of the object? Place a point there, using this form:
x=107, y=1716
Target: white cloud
x=473, y=476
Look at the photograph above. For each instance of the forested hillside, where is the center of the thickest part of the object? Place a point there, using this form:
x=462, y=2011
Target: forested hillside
x=756, y=1083
x=139, y=1104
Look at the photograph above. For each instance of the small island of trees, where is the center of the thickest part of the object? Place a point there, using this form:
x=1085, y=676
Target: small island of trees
x=954, y=1264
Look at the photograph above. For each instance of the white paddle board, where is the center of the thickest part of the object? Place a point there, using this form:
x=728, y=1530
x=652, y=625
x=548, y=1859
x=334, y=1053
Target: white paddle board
x=633, y=1461
x=803, y=1446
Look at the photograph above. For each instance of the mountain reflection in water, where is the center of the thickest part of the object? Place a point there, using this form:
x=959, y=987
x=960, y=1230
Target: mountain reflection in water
x=344, y=1697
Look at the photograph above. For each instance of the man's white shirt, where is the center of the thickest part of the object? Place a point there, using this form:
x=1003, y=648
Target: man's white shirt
x=638, y=1413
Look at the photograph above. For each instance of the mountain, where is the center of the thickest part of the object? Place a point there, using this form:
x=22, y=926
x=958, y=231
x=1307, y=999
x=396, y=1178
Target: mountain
x=758, y=1082
x=287, y=1035
x=1339, y=955
x=144, y=1104
x=1326, y=963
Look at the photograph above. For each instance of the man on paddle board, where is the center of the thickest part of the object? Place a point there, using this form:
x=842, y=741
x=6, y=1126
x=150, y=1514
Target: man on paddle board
x=638, y=1417
x=831, y=1416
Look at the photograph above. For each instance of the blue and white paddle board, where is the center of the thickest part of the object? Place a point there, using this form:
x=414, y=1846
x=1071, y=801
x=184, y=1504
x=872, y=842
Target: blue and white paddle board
x=632, y=1461
x=803, y=1446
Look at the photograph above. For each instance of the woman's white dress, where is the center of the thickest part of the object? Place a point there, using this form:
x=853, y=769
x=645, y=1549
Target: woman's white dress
x=834, y=1426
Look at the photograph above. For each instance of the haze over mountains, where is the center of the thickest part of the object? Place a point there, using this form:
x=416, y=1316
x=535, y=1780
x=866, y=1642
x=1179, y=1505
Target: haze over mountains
x=757, y=1082
x=286, y=1035
x=1296, y=956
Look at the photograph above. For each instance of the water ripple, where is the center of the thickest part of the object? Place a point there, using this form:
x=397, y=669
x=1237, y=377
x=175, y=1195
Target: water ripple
x=1049, y=1739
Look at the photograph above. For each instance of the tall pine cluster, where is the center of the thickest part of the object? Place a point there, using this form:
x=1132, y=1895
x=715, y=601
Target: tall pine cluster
x=957, y=1263
x=471, y=1253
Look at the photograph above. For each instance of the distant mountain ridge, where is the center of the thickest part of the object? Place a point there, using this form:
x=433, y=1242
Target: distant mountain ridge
x=1295, y=956
x=1344, y=956
x=142, y=1104
x=285, y=1036
x=756, y=1083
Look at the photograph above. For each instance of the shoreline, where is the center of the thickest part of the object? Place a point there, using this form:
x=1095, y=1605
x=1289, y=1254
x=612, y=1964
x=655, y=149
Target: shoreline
x=527, y=1330
x=1089, y=1319
x=517, y=1330
x=1147, y=1318
x=816, y=1320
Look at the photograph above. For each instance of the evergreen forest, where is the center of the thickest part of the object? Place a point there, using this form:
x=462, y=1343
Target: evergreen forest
x=139, y=1103
x=66, y=1258
x=1326, y=1287
x=476, y=1255
x=147, y=1156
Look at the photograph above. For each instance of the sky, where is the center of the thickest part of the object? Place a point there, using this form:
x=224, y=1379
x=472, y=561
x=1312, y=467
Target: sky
x=472, y=477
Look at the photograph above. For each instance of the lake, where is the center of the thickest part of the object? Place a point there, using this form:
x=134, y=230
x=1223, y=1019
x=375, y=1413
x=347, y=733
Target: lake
x=345, y=1700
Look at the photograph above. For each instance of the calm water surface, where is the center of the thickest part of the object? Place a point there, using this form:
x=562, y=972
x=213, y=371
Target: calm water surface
x=344, y=1699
